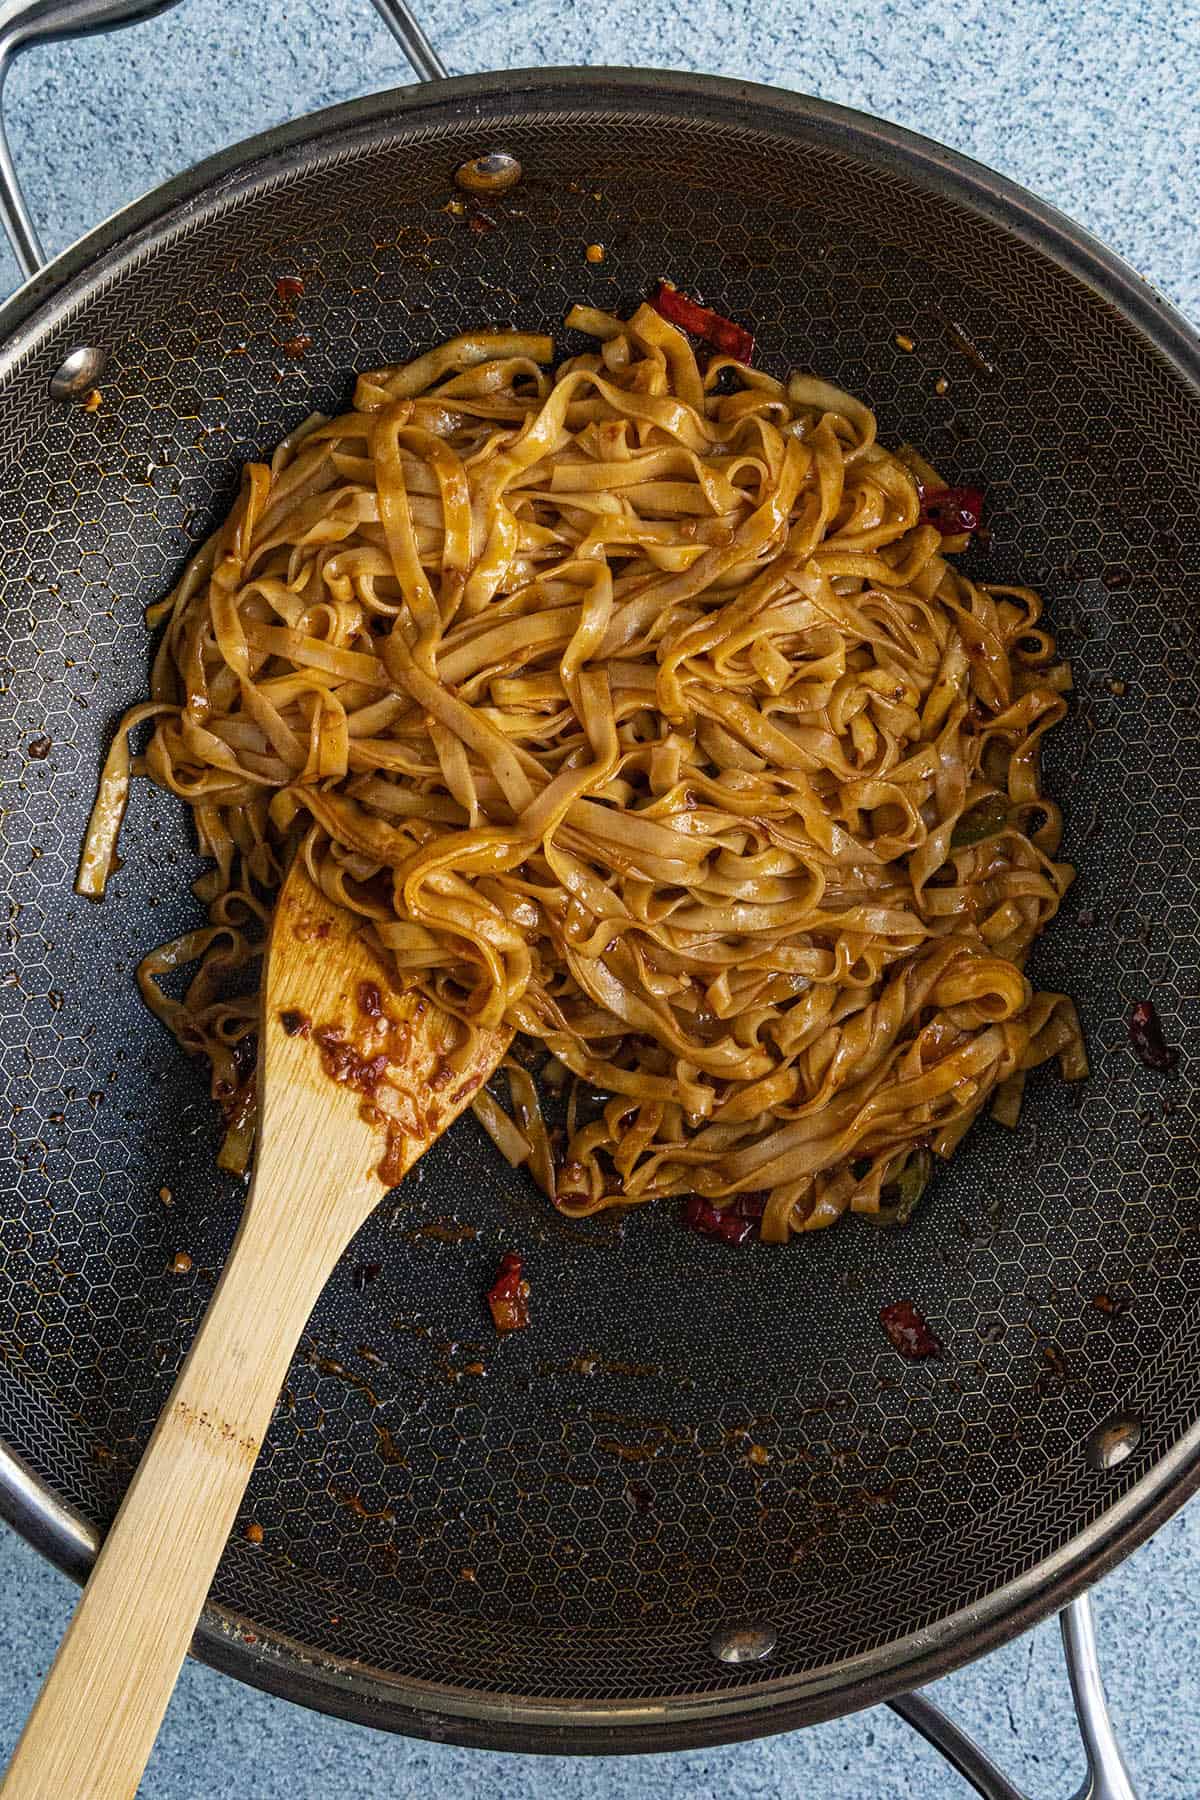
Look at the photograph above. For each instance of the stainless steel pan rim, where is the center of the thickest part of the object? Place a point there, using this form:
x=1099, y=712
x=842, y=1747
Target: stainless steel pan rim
x=368, y=1695
x=821, y=121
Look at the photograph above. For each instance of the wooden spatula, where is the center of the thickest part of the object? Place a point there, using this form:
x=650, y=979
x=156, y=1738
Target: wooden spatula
x=326, y=1155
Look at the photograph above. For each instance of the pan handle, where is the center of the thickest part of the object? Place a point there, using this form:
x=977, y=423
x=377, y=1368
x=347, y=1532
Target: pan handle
x=24, y=22
x=1107, y=1777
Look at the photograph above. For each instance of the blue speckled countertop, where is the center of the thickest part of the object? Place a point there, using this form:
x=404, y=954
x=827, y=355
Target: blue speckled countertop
x=1096, y=107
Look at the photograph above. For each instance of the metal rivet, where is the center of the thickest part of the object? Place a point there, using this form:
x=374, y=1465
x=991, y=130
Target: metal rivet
x=1110, y=1442
x=78, y=371
x=745, y=1643
x=493, y=173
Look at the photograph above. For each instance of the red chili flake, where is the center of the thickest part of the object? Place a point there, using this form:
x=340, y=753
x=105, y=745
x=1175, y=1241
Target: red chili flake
x=1146, y=1037
x=296, y=1024
x=508, y=1295
x=731, y=1226
x=909, y=1331
x=478, y=220
x=40, y=748
x=288, y=288
x=702, y=322
x=296, y=346
x=1112, y=1305
x=364, y=1275
x=370, y=1000
x=952, y=509
x=342, y=1062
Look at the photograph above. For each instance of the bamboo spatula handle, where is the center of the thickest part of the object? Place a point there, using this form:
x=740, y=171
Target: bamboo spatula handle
x=331, y=1140
x=94, y=1724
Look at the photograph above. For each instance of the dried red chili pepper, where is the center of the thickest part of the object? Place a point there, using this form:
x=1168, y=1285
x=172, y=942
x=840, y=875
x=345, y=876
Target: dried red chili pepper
x=732, y=1226
x=909, y=1331
x=702, y=322
x=952, y=509
x=1146, y=1036
x=508, y=1297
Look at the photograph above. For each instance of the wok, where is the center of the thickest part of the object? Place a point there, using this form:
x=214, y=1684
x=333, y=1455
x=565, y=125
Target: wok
x=702, y=1499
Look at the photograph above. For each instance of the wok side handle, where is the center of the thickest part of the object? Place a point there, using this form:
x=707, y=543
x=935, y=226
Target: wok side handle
x=1107, y=1777
x=25, y=22
x=427, y=65
x=19, y=228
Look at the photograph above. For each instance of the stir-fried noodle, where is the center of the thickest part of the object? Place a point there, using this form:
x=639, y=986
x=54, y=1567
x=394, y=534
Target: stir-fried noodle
x=638, y=707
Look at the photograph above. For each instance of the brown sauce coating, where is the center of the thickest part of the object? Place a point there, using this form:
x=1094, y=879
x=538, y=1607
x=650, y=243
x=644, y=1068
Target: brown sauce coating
x=345, y=1063
x=373, y=1059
